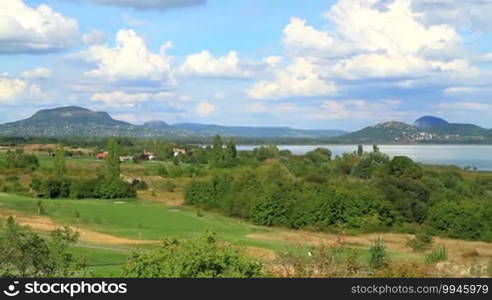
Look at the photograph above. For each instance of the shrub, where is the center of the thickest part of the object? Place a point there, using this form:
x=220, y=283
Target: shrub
x=202, y=257
x=319, y=155
x=199, y=193
x=82, y=189
x=378, y=256
x=421, y=242
x=115, y=189
x=139, y=185
x=469, y=220
x=162, y=171
x=402, y=166
x=17, y=159
x=24, y=253
x=437, y=255
x=169, y=186
x=12, y=178
x=51, y=188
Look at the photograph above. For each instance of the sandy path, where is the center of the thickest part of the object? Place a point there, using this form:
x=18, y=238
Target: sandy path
x=46, y=224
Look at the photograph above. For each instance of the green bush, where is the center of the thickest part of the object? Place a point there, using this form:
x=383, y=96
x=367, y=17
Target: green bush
x=12, y=178
x=115, y=189
x=202, y=257
x=139, y=185
x=469, y=220
x=199, y=193
x=403, y=166
x=24, y=253
x=421, y=242
x=82, y=189
x=378, y=256
x=437, y=255
x=18, y=160
x=51, y=188
x=162, y=171
x=169, y=186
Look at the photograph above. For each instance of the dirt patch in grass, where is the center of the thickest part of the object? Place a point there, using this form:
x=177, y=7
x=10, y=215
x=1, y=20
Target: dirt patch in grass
x=46, y=224
x=169, y=198
x=261, y=253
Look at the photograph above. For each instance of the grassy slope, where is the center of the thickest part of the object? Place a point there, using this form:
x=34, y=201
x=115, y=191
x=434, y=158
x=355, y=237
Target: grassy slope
x=139, y=219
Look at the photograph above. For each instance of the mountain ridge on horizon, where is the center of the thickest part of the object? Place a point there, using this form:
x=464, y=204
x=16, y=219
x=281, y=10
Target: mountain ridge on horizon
x=69, y=121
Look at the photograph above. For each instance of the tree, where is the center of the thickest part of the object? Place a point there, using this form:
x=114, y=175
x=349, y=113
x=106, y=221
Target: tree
x=23, y=253
x=319, y=155
x=378, y=255
x=111, y=185
x=231, y=151
x=112, y=169
x=403, y=166
x=59, y=162
x=17, y=159
x=266, y=152
x=202, y=257
x=360, y=150
x=217, y=151
x=375, y=148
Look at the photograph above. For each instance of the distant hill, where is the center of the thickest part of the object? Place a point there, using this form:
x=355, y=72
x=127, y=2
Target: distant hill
x=156, y=125
x=430, y=122
x=389, y=132
x=427, y=129
x=261, y=132
x=74, y=121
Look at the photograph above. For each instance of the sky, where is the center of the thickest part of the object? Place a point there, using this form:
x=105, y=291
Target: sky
x=314, y=64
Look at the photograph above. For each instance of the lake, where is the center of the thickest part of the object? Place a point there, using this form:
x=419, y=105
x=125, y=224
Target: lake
x=479, y=156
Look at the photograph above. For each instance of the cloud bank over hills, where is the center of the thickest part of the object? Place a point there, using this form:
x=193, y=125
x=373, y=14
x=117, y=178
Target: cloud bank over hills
x=329, y=64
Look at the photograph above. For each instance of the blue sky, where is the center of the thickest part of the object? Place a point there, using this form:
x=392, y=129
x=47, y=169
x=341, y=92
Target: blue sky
x=307, y=64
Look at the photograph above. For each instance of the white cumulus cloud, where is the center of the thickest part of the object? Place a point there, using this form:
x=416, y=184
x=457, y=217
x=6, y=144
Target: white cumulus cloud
x=15, y=90
x=301, y=78
x=204, y=64
x=130, y=60
x=24, y=29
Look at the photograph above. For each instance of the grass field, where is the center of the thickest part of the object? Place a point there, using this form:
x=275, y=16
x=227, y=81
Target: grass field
x=145, y=220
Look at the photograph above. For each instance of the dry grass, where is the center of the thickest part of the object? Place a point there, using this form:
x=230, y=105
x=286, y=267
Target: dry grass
x=459, y=251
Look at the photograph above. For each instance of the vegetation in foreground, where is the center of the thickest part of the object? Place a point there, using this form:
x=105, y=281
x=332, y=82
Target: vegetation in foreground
x=360, y=192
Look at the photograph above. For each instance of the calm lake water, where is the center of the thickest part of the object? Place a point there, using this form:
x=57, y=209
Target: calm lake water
x=479, y=156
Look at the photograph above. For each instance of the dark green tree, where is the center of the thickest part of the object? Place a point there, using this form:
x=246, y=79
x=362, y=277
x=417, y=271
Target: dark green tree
x=231, y=151
x=112, y=169
x=59, y=162
x=360, y=150
x=217, y=151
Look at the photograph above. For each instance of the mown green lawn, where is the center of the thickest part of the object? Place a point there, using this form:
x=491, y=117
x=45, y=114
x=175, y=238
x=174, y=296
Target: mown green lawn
x=102, y=261
x=138, y=219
